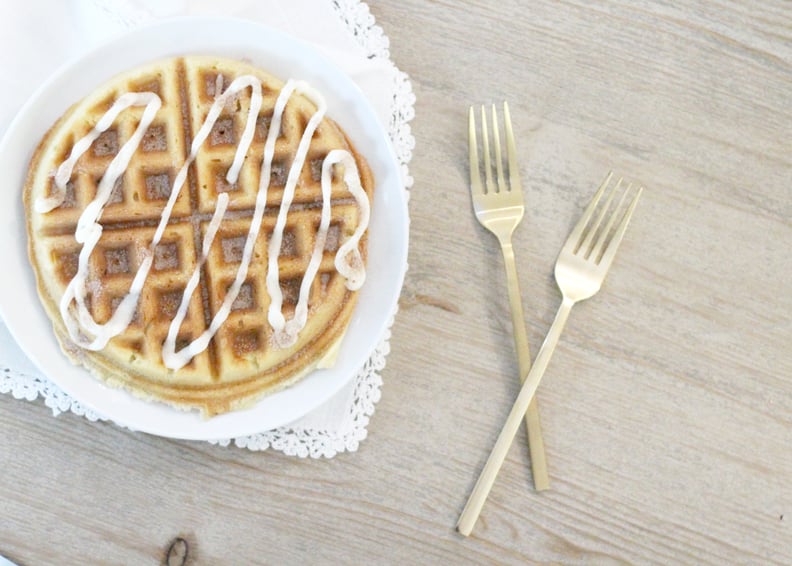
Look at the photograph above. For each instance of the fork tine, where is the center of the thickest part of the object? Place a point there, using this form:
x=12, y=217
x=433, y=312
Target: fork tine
x=587, y=246
x=613, y=245
x=596, y=249
x=486, y=151
x=498, y=158
x=511, y=150
x=475, y=172
x=573, y=241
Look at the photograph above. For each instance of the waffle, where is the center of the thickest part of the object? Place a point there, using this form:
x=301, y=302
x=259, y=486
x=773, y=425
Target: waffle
x=168, y=251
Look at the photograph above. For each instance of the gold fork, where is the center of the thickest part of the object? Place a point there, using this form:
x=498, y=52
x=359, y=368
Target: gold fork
x=580, y=269
x=500, y=209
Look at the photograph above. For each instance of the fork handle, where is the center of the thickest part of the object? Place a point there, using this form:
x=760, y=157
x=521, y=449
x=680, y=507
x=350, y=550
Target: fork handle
x=532, y=422
x=487, y=477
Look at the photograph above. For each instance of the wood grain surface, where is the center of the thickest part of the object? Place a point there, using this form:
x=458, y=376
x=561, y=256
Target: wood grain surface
x=667, y=409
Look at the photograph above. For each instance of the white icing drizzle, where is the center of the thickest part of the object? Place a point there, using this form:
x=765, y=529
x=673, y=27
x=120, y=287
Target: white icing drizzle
x=119, y=164
x=218, y=85
x=282, y=336
x=89, y=230
x=348, y=261
x=176, y=360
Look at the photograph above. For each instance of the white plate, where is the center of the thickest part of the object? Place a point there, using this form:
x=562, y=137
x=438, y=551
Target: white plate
x=286, y=58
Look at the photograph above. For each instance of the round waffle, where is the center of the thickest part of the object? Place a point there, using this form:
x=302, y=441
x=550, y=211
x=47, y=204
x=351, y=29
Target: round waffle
x=197, y=230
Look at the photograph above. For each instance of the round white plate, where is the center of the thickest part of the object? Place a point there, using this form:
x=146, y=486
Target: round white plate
x=286, y=58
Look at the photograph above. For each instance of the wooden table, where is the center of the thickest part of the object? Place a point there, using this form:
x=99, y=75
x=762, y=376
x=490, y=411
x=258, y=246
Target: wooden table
x=667, y=409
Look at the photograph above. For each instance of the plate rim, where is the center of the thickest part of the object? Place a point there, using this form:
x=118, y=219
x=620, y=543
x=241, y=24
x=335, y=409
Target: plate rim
x=206, y=432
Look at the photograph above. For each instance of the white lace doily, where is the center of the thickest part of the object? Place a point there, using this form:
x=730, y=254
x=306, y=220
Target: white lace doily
x=23, y=381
